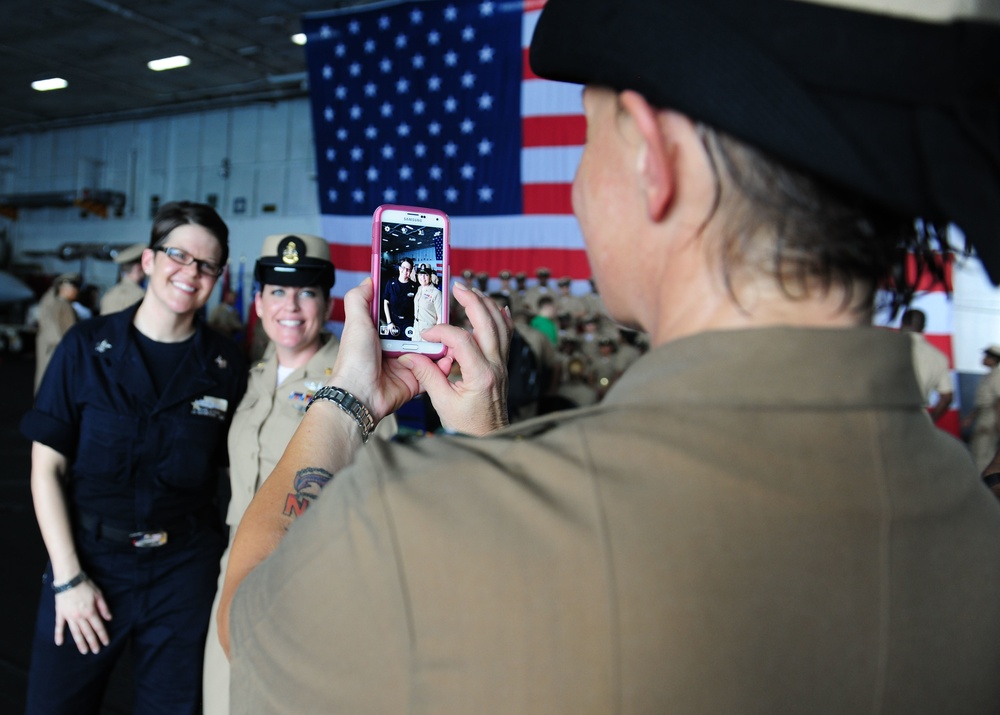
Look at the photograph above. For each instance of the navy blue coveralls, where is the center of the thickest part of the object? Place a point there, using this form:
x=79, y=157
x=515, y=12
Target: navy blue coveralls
x=400, y=297
x=138, y=462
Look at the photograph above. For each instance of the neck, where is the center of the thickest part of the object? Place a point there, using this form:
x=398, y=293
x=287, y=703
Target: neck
x=290, y=358
x=695, y=309
x=162, y=326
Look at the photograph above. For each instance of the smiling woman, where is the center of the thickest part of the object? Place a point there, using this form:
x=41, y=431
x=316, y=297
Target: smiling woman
x=128, y=432
x=295, y=274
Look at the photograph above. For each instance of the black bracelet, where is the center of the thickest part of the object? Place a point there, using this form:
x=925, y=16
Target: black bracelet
x=72, y=583
x=349, y=404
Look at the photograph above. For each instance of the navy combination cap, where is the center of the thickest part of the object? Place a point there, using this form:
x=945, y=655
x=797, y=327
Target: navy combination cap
x=295, y=259
x=897, y=100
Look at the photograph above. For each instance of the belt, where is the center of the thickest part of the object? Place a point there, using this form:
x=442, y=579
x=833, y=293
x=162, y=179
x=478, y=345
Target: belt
x=146, y=538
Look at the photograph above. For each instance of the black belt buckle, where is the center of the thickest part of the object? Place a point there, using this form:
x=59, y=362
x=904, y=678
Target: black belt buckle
x=148, y=539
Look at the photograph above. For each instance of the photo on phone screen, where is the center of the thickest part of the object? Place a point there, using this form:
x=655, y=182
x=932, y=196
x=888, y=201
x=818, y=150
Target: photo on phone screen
x=410, y=256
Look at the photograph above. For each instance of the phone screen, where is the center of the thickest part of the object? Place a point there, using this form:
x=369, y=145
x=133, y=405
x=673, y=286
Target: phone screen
x=413, y=287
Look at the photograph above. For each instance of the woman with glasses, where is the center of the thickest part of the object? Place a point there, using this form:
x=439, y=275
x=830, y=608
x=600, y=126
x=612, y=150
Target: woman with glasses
x=129, y=437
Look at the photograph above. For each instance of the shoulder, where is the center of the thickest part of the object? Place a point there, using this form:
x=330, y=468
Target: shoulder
x=223, y=354
x=99, y=327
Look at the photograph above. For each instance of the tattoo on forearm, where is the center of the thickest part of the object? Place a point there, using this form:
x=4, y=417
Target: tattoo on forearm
x=308, y=484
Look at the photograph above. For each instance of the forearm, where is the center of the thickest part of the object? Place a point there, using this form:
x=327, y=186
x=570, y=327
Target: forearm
x=325, y=442
x=51, y=511
x=941, y=406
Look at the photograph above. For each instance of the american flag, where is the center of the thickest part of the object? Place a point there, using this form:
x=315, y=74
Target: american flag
x=433, y=104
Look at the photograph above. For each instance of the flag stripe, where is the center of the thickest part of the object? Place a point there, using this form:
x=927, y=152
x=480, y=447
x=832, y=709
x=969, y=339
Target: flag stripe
x=553, y=131
x=354, y=262
x=541, y=97
x=548, y=198
x=550, y=164
x=468, y=232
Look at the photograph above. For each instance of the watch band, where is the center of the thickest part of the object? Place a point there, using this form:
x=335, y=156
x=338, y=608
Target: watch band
x=349, y=404
x=72, y=583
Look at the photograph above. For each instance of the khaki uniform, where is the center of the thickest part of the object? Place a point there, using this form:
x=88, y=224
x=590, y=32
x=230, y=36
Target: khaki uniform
x=122, y=295
x=55, y=317
x=263, y=424
x=985, y=435
x=931, y=366
x=427, y=304
x=754, y=521
x=225, y=320
x=534, y=293
x=574, y=305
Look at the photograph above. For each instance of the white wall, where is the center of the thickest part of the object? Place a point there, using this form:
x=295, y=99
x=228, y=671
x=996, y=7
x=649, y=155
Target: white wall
x=260, y=157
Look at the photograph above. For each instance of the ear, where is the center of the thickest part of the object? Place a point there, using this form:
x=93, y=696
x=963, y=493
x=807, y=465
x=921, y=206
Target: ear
x=258, y=306
x=146, y=261
x=655, y=158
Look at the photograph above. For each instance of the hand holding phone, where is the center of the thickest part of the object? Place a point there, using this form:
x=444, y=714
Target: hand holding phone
x=410, y=262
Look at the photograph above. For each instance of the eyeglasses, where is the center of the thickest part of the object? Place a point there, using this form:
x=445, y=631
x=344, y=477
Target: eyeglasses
x=208, y=268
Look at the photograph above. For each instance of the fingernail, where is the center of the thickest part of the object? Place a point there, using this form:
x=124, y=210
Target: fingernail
x=461, y=286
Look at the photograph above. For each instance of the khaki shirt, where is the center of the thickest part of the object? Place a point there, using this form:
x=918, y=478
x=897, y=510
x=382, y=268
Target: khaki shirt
x=931, y=367
x=268, y=416
x=55, y=317
x=427, y=304
x=755, y=521
x=985, y=434
x=224, y=320
x=120, y=296
x=263, y=424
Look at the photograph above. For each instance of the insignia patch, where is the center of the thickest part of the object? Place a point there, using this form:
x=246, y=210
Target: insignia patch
x=208, y=406
x=221, y=362
x=102, y=346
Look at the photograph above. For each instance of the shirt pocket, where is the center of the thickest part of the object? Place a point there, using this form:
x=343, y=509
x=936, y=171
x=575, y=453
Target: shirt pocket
x=189, y=452
x=108, y=441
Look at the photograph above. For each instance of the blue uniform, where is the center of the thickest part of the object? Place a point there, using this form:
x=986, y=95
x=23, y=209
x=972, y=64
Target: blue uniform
x=138, y=462
x=400, y=297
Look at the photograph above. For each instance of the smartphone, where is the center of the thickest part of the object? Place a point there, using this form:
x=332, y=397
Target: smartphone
x=410, y=271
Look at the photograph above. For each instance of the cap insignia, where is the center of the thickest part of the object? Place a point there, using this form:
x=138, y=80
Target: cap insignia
x=290, y=253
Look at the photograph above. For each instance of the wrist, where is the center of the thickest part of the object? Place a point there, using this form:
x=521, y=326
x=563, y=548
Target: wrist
x=348, y=403
x=70, y=584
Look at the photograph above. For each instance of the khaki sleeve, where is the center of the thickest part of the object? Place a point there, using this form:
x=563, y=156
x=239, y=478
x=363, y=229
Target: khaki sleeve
x=331, y=587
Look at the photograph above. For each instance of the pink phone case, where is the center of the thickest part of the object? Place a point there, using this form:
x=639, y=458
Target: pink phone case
x=420, y=236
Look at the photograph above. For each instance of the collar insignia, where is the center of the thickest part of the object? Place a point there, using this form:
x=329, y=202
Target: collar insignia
x=102, y=346
x=221, y=362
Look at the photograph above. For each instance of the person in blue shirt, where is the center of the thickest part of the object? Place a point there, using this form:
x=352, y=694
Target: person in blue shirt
x=128, y=438
x=397, y=302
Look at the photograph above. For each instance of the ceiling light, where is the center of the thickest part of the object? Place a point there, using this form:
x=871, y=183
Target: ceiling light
x=44, y=85
x=169, y=63
x=299, y=38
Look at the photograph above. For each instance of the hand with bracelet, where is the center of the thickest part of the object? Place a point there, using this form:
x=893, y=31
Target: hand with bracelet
x=474, y=405
x=79, y=604
x=81, y=607
x=333, y=428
